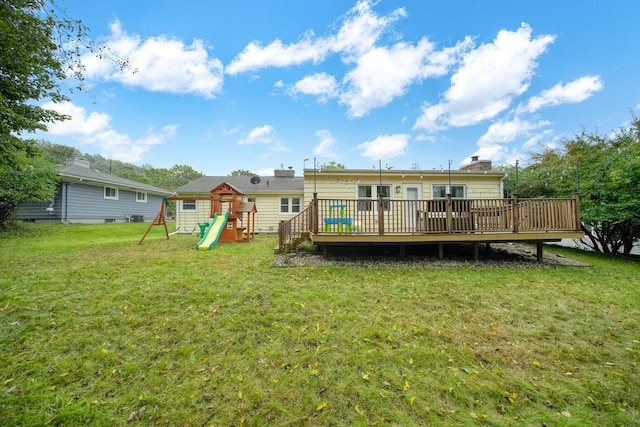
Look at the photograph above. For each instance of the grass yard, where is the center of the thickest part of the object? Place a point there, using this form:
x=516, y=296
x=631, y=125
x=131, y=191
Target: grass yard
x=96, y=329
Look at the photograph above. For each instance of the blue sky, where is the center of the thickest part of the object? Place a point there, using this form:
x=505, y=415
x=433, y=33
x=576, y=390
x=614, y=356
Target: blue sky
x=221, y=85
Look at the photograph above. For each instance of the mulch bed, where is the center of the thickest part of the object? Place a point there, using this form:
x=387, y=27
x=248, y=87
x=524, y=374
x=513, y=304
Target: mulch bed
x=500, y=255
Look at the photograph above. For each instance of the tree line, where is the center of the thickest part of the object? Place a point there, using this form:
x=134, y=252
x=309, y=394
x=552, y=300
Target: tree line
x=166, y=178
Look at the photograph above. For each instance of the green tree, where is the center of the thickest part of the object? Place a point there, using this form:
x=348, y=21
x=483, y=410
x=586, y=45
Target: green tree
x=33, y=61
x=331, y=165
x=241, y=172
x=606, y=172
x=57, y=154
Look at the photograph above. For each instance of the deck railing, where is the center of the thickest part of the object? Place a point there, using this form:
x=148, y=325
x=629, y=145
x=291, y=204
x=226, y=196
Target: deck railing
x=443, y=216
x=294, y=230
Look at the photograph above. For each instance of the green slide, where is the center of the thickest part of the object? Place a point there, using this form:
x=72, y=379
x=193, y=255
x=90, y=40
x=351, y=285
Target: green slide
x=212, y=233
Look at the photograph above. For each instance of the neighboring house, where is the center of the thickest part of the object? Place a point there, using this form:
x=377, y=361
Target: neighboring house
x=277, y=198
x=88, y=196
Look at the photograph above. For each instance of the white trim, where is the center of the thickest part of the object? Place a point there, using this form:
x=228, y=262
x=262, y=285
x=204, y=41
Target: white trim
x=104, y=193
x=464, y=186
x=289, y=205
x=195, y=206
x=144, y=199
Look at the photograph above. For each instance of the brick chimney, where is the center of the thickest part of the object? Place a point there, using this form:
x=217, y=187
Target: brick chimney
x=477, y=165
x=284, y=173
x=78, y=162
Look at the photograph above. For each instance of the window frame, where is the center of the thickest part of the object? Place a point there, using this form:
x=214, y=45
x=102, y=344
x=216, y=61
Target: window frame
x=108, y=196
x=367, y=202
x=437, y=197
x=143, y=199
x=291, y=206
x=189, y=209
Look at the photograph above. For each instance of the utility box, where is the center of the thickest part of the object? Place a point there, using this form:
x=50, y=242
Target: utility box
x=137, y=218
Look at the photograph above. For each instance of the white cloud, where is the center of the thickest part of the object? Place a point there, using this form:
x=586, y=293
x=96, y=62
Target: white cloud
x=80, y=125
x=260, y=135
x=277, y=54
x=571, y=93
x=95, y=129
x=327, y=145
x=489, y=78
x=359, y=32
x=506, y=131
x=385, y=73
x=492, y=145
x=385, y=147
x=321, y=85
x=158, y=64
x=266, y=135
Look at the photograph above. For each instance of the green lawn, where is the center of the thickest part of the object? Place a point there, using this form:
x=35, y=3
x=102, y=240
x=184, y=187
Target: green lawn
x=96, y=329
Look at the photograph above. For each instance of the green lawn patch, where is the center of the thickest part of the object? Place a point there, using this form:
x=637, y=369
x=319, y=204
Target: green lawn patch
x=96, y=329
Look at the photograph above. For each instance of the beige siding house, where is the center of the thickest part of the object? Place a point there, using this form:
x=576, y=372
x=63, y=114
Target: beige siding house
x=277, y=198
x=280, y=197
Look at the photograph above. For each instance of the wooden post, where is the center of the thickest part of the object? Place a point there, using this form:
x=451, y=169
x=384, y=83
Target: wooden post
x=314, y=214
x=158, y=220
x=576, y=207
x=475, y=251
x=449, y=215
x=539, y=252
x=380, y=215
x=440, y=251
x=515, y=215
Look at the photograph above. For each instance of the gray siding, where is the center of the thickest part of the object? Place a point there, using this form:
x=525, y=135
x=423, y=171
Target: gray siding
x=86, y=203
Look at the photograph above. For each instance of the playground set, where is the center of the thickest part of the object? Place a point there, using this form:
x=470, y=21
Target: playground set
x=225, y=221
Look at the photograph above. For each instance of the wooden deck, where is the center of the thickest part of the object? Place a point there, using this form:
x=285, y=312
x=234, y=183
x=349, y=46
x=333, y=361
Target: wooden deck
x=328, y=222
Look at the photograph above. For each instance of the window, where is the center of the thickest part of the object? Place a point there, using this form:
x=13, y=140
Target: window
x=440, y=191
x=252, y=199
x=368, y=194
x=141, y=197
x=111, y=193
x=289, y=204
x=188, y=205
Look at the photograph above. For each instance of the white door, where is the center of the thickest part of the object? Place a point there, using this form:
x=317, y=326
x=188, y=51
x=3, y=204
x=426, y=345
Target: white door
x=412, y=193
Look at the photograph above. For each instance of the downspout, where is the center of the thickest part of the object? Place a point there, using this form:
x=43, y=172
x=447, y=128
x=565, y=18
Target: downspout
x=505, y=176
x=65, y=195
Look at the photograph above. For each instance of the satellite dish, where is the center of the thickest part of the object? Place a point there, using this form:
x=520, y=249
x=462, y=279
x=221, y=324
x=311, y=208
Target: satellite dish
x=255, y=180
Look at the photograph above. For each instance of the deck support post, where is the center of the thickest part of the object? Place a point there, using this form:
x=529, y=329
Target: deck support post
x=576, y=212
x=449, y=215
x=440, y=251
x=314, y=214
x=515, y=217
x=401, y=250
x=475, y=251
x=539, y=251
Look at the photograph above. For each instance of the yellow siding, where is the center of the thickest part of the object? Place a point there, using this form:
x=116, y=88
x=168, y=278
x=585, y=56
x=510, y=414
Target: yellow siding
x=344, y=186
x=187, y=221
x=267, y=218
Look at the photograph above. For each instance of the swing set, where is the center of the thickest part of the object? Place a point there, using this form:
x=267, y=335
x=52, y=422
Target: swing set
x=224, y=198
